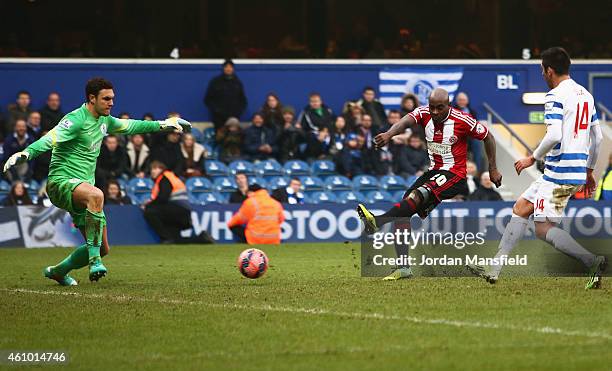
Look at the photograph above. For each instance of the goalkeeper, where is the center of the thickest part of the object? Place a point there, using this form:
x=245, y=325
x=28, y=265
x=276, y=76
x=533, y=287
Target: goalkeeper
x=75, y=145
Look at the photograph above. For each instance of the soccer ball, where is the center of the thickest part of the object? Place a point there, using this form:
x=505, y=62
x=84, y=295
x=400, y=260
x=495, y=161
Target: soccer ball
x=252, y=263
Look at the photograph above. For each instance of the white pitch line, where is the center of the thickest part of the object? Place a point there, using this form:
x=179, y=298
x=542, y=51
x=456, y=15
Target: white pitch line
x=318, y=311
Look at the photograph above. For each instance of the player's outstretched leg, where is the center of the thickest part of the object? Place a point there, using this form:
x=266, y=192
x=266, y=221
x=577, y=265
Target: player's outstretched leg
x=79, y=258
x=403, y=209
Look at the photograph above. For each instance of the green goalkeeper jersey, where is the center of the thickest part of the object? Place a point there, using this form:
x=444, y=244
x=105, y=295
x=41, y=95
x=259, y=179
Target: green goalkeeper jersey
x=76, y=142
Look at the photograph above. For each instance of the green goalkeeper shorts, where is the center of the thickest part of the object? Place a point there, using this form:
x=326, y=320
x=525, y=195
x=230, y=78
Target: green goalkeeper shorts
x=60, y=194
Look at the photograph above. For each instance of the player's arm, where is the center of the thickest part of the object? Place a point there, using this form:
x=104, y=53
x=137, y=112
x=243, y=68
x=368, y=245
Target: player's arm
x=66, y=130
x=553, y=118
x=596, y=138
x=494, y=174
x=400, y=127
x=130, y=127
x=243, y=215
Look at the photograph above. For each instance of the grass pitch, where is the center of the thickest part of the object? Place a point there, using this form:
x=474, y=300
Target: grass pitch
x=187, y=307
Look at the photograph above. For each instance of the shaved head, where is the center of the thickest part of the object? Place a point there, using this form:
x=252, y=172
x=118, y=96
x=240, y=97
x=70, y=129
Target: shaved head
x=439, y=95
x=439, y=105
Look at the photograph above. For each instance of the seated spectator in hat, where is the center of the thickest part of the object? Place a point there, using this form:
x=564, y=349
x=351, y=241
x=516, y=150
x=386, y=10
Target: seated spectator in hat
x=373, y=107
x=291, y=137
x=241, y=193
x=138, y=156
x=17, y=142
x=113, y=196
x=485, y=192
x=292, y=194
x=33, y=124
x=112, y=162
x=193, y=154
x=229, y=139
x=353, y=114
x=20, y=110
x=259, y=141
x=51, y=113
x=17, y=196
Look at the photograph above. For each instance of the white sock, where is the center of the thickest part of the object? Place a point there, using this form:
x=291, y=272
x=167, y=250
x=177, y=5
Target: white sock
x=565, y=243
x=514, y=232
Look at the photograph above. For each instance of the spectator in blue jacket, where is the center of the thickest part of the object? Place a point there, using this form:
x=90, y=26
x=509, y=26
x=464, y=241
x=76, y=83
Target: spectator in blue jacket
x=16, y=142
x=259, y=141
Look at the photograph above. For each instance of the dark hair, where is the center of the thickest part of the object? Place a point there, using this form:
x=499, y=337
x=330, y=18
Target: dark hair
x=109, y=182
x=14, y=200
x=255, y=187
x=295, y=178
x=367, y=88
x=228, y=61
x=241, y=173
x=148, y=114
x=94, y=85
x=314, y=94
x=22, y=92
x=260, y=114
x=109, y=136
x=158, y=164
x=557, y=59
x=124, y=114
x=394, y=111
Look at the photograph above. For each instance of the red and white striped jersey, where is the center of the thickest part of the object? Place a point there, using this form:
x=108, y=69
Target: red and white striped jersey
x=447, y=142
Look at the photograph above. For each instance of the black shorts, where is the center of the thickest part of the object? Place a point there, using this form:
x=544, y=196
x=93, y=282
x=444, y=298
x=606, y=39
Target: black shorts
x=442, y=184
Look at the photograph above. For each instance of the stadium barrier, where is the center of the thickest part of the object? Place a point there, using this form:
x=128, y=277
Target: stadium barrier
x=33, y=226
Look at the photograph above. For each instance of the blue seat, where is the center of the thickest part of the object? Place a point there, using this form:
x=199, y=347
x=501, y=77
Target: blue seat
x=211, y=198
x=242, y=166
x=139, y=190
x=398, y=195
x=323, y=167
x=123, y=184
x=378, y=196
x=365, y=183
x=392, y=183
x=215, y=168
x=211, y=152
x=5, y=188
x=277, y=182
x=311, y=183
x=338, y=183
x=259, y=180
x=225, y=184
x=198, y=185
x=345, y=197
x=320, y=197
x=198, y=135
x=410, y=180
x=268, y=168
x=208, y=135
x=193, y=199
x=32, y=187
x=139, y=198
x=296, y=167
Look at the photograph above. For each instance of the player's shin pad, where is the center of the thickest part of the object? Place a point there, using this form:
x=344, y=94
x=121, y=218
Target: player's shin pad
x=94, y=225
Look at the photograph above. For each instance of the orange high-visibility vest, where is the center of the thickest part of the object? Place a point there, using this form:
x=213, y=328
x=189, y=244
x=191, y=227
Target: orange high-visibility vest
x=179, y=192
x=263, y=217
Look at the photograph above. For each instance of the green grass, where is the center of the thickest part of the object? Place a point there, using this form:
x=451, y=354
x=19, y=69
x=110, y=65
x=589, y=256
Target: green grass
x=187, y=307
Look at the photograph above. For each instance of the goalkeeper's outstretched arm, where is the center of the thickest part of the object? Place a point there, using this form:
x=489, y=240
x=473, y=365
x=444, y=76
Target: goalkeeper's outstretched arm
x=130, y=127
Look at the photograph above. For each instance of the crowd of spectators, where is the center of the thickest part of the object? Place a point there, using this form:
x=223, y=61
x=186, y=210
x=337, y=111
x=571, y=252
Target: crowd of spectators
x=274, y=132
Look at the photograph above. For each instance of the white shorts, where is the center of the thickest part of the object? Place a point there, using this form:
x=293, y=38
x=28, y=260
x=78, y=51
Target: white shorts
x=549, y=199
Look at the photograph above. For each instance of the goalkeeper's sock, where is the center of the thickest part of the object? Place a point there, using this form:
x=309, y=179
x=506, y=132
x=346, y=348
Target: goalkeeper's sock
x=562, y=241
x=94, y=225
x=76, y=260
x=514, y=232
x=404, y=209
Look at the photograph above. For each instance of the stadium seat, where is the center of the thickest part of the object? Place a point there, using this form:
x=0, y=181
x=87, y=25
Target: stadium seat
x=139, y=190
x=211, y=152
x=5, y=188
x=364, y=183
x=296, y=167
x=242, y=166
x=225, y=184
x=276, y=182
x=123, y=184
x=320, y=197
x=210, y=198
x=392, y=183
x=345, y=197
x=410, y=180
x=259, y=180
x=215, y=168
x=193, y=199
x=198, y=135
x=208, y=136
x=268, y=168
x=378, y=196
x=198, y=185
x=32, y=187
x=311, y=183
x=338, y=183
x=398, y=195
x=139, y=199
x=323, y=167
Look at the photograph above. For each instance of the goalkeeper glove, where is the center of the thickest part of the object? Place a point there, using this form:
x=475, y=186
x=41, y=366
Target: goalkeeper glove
x=175, y=123
x=16, y=159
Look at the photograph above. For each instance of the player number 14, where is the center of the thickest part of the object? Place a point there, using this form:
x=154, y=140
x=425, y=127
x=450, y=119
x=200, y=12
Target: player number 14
x=582, y=118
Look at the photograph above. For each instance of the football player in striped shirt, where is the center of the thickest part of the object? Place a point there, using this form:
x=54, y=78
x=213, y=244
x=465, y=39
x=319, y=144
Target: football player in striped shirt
x=569, y=150
x=446, y=130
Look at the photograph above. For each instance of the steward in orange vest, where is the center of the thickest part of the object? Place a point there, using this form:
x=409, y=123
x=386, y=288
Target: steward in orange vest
x=168, y=211
x=262, y=216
